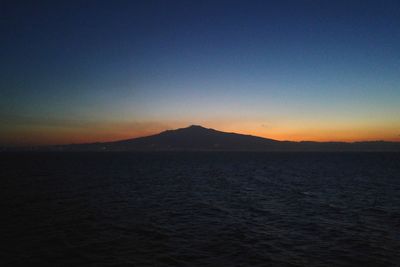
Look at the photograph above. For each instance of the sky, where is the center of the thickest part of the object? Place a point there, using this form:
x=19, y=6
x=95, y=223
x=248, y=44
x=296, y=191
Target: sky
x=87, y=71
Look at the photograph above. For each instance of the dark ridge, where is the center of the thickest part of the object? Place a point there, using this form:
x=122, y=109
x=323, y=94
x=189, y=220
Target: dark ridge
x=198, y=138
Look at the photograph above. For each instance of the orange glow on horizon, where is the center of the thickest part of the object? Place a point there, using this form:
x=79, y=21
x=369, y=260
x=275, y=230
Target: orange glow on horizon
x=119, y=131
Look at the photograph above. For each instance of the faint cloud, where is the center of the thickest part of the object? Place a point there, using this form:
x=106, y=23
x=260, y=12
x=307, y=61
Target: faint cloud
x=48, y=121
x=117, y=128
x=25, y=129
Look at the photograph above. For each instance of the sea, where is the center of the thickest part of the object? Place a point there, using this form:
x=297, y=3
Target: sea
x=199, y=209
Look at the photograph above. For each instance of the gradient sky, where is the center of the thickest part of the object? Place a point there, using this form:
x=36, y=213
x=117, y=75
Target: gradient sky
x=83, y=71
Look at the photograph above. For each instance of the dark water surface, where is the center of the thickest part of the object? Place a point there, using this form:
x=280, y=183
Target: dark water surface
x=200, y=209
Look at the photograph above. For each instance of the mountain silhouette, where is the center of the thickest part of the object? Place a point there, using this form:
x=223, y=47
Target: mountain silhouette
x=197, y=138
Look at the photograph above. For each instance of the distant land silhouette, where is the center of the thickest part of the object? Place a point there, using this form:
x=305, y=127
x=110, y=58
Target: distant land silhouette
x=198, y=138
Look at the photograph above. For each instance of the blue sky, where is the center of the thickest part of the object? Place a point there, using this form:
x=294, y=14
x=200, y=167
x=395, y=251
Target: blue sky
x=98, y=70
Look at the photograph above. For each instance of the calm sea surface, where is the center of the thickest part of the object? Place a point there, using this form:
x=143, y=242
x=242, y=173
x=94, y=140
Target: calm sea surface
x=200, y=209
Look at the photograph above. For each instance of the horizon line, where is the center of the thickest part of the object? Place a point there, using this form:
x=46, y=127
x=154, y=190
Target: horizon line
x=192, y=126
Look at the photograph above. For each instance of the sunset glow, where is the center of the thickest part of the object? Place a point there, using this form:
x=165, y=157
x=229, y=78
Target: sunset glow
x=74, y=73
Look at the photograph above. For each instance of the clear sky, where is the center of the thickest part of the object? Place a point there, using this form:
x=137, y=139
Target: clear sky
x=83, y=71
